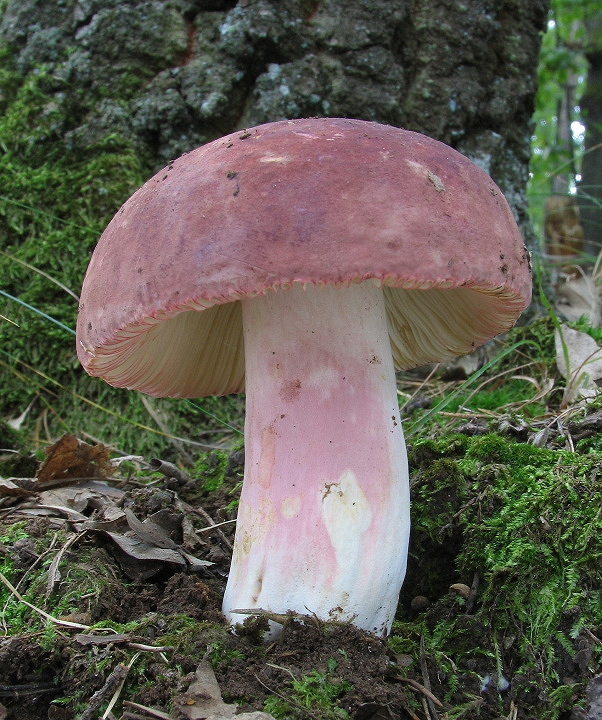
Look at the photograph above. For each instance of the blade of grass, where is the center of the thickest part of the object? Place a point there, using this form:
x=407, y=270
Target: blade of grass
x=113, y=413
x=47, y=214
x=38, y=312
x=214, y=417
x=42, y=273
x=415, y=427
x=43, y=613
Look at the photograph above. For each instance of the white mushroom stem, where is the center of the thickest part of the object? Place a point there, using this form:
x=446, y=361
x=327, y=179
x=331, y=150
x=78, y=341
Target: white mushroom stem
x=323, y=522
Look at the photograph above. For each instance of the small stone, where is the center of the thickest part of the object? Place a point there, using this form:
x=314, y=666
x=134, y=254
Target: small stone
x=460, y=589
x=420, y=603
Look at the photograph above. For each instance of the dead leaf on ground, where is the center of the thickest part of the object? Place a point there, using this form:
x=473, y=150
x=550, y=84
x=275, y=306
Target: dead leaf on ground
x=153, y=532
x=137, y=549
x=584, y=357
x=146, y=541
x=9, y=489
x=70, y=458
x=203, y=700
x=576, y=296
x=74, y=502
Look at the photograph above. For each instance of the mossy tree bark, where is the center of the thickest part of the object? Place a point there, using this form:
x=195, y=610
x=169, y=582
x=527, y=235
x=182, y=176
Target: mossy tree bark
x=173, y=74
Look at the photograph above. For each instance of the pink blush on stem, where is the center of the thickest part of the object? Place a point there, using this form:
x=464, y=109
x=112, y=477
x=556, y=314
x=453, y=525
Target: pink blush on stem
x=323, y=520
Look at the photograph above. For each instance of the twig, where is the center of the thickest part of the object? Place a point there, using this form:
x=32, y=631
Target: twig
x=472, y=596
x=53, y=574
x=282, y=618
x=199, y=510
x=425, y=691
x=212, y=527
x=43, y=613
x=148, y=710
x=112, y=683
x=28, y=689
x=107, y=713
x=149, y=648
x=432, y=712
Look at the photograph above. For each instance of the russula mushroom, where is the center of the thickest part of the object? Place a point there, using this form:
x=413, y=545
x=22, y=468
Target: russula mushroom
x=303, y=261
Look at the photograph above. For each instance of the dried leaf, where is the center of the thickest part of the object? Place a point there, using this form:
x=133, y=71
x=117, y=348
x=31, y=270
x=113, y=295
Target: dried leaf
x=194, y=563
x=151, y=532
x=203, y=700
x=70, y=458
x=73, y=501
x=145, y=541
x=139, y=550
x=81, y=497
x=54, y=511
x=584, y=362
x=10, y=489
x=577, y=296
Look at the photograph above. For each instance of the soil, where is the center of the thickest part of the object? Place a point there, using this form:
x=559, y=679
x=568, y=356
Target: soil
x=166, y=622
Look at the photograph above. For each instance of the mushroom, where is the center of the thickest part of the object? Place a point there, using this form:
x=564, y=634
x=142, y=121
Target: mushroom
x=303, y=262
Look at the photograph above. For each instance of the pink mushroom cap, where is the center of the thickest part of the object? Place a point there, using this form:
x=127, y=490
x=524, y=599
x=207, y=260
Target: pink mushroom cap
x=313, y=201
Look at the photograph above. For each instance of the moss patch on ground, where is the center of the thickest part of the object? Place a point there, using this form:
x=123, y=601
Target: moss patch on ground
x=515, y=531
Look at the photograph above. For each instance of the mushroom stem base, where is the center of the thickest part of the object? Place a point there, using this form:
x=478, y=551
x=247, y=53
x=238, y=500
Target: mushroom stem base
x=323, y=521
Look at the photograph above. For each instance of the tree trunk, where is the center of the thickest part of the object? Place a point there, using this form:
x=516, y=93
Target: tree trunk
x=590, y=187
x=173, y=75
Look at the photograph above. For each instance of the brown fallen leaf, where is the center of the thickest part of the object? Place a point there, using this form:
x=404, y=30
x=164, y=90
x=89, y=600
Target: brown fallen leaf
x=137, y=549
x=74, y=502
x=145, y=543
x=70, y=458
x=8, y=488
x=203, y=700
x=150, y=532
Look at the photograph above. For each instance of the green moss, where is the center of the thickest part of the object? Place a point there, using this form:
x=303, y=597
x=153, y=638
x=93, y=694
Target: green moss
x=211, y=468
x=315, y=692
x=541, y=549
x=218, y=654
x=76, y=580
x=54, y=205
x=58, y=195
x=526, y=523
x=14, y=532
